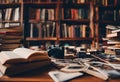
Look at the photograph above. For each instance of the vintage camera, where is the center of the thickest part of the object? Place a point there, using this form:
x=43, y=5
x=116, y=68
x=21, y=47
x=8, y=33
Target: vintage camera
x=56, y=51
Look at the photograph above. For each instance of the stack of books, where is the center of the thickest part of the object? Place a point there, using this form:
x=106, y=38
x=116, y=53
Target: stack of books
x=113, y=40
x=21, y=60
x=10, y=38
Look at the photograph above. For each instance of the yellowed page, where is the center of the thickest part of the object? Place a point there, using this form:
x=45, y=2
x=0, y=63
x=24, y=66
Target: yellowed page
x=8, y=55
x=25, y=52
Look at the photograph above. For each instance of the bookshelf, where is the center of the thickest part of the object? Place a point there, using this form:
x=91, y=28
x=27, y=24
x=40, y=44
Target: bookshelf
x=11, y=23
x=58, y=22
x=106, y=13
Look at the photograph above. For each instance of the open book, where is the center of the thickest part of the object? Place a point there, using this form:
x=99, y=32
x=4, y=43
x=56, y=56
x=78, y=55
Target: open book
x=22, y=68
x=86, y=69
x=21, y=55
x=21, y=60
x=98, y=69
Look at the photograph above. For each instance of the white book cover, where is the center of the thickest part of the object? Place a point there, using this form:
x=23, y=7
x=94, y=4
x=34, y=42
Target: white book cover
x=16, y=15
x=114, y=31
x=59, y=76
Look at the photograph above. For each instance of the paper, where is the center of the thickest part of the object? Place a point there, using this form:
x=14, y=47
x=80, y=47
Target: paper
x=59, y=76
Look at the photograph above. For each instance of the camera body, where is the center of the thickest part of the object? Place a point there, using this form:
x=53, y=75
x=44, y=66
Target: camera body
x=56, y=51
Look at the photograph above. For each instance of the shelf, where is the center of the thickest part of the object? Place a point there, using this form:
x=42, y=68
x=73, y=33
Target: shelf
x=10, y=21
x=54, y=39
x=83, y=5
x=9, y=5
x=108, y=22
x=42, y=5
x=41, y=39
x=76, y=25
x=75, y=39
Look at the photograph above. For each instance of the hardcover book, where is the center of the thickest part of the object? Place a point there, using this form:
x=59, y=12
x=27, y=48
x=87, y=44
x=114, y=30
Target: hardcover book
x=21, y=55
x=21, y=60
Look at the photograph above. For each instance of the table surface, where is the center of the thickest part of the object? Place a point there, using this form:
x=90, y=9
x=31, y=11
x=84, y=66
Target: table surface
x=41, y=75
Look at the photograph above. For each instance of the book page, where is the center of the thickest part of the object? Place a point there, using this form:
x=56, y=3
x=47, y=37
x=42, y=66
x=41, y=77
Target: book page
x=2, y=69
x=8, y=55
x=1, y=74
x=100, y=75
x=73, y=68
x=24, y=52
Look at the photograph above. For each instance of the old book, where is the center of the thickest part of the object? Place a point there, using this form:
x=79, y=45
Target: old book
x=8, y=46
x=110, y=42
x=11, y=31
x=16, y=14
x=67, y=13
x=21, y=68
x=21, y=55
x=86, y=69
x=38, y=14
x=109, y=51
x=11, y=41
x=117, y=34
x=11, y=37
x=59, y=76
x=117, y=30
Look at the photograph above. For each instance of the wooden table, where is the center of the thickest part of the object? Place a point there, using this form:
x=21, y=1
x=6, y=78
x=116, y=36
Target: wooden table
x=41, y=75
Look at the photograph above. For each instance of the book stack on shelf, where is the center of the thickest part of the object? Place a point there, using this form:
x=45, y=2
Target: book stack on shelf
x=113, y=41
x=10, y=38
x=21, y=60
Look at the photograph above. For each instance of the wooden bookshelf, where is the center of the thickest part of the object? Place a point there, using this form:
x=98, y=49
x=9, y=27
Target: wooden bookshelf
x=94, y=14
x=11, y=23
x=59, y=19
x=106, y=14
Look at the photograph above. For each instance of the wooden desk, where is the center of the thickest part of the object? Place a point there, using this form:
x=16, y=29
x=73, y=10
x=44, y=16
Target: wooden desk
x=41, y=75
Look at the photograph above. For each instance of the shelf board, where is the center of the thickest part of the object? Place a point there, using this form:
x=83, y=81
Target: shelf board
x=75, y=5
x=9, y=5
x=74, y=39
x=108, y=22
x=83, y=21
x=42, y=4
x=10, y=21
x=41, y=39
x=54, y=39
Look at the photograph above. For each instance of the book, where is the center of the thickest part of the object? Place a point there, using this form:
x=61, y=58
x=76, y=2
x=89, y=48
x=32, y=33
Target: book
x=11, y=31
x=11, y=37
x=86, y=69
x=59, y=76
x=11, y=41
x=21, y=55
x=72, y=68
x=117, y=30
x=16, y=14
x=113, y=42
x=109, y=51
x=117, y=34
x=11, y=70
x=9, y=46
